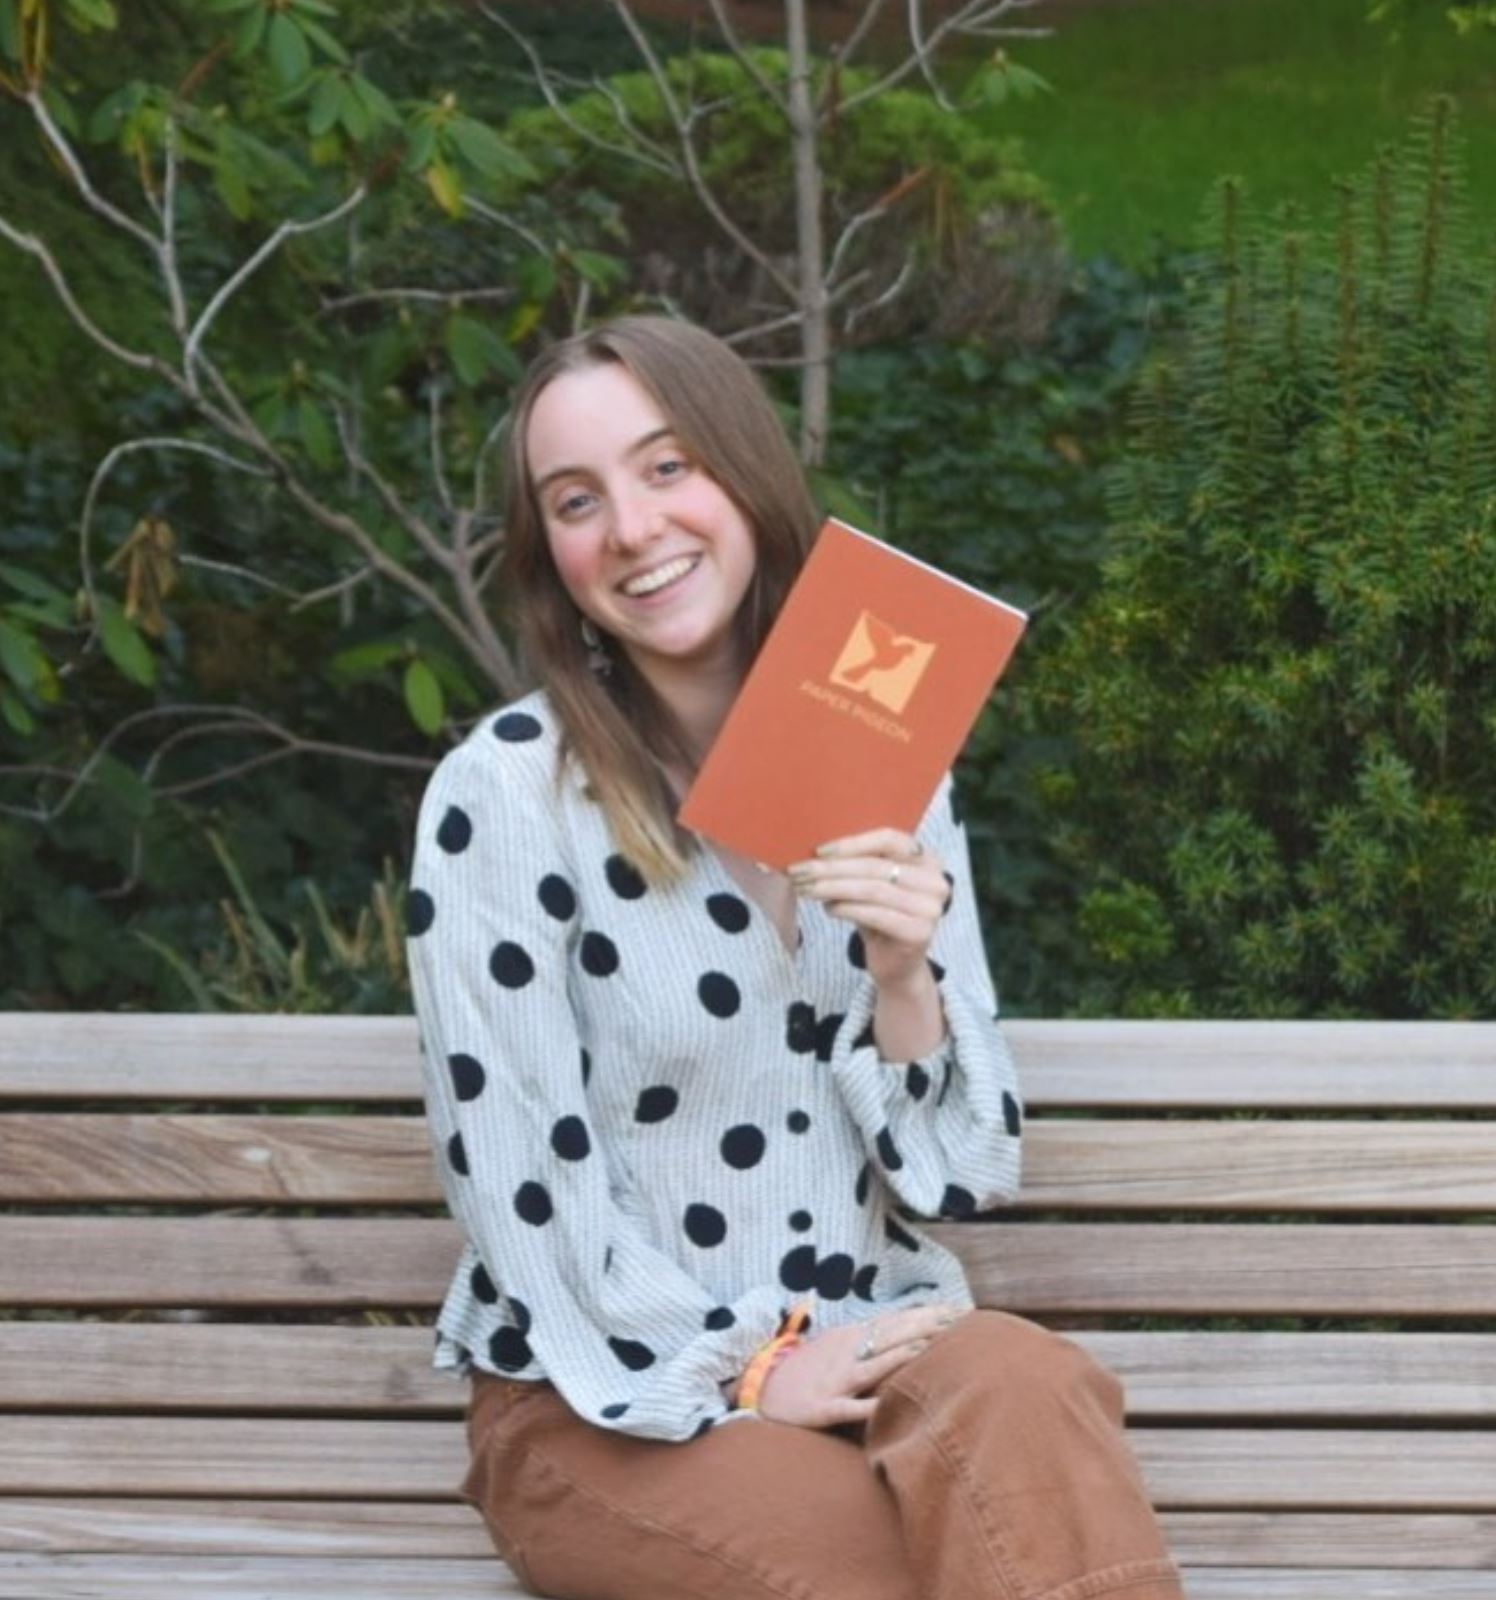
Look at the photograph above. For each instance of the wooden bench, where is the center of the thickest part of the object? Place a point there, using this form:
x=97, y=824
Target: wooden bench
x=214, y=1367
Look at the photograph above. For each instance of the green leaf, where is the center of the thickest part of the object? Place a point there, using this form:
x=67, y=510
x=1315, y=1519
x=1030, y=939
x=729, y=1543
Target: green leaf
x=15, y=712
x=290, y=59
x=20, y=655
x=356, y=118
x=233, y=188
x=476, y=349
x=327, y=104
x=61, y=107
x=324, y=41
x=87, y=15
x=537, y=277
x=446, y=187
x=123, y=645
x=29, y=584
x=249, y=33
x=423, y=697
x=365, y=660
x=10, y=36
x=422, y=146
x=316, y=434
x=376, y=102
x=314, y=7
x=219, y=6
x=602, y=272
x=481, y=146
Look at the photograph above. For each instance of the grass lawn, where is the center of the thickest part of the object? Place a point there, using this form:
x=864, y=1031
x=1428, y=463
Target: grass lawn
x=1155, y=99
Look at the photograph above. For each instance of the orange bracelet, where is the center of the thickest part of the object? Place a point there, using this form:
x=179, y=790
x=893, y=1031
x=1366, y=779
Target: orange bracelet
x=768, y=1356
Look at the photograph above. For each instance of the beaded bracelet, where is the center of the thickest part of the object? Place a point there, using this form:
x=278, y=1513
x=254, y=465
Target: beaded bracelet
x=768, y=1356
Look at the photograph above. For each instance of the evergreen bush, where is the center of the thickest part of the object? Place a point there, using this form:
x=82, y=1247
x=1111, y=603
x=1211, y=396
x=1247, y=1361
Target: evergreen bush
x=1283, y=795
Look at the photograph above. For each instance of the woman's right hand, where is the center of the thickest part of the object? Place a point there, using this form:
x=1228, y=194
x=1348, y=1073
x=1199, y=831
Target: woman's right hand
x=823, y=1383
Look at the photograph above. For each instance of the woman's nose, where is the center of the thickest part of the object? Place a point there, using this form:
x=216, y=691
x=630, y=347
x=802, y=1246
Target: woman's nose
x=635, y=523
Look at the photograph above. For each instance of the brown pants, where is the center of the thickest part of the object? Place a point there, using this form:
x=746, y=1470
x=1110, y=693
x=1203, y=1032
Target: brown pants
x=994, y=1466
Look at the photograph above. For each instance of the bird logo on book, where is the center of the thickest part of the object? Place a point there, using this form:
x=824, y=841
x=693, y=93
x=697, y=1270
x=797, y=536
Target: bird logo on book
x=881, y=663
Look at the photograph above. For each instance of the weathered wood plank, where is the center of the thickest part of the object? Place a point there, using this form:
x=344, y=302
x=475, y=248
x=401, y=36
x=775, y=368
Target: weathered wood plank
x=1192, y=1269
x=1110, y=1063
x=1250, y=1583
x=247, y=1369
x=1323, y=1166
x=389, y=1529
x=1186, y=1468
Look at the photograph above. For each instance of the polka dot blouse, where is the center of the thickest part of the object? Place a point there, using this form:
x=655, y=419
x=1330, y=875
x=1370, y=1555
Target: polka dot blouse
x=657, y=1127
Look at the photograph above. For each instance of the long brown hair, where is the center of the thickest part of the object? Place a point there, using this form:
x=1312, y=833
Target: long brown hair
x=616, y=726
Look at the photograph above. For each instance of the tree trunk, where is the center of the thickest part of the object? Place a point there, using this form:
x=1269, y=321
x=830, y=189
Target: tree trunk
x=815, y=325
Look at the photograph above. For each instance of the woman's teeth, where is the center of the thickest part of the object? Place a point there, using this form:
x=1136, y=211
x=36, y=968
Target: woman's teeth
x=649, y=582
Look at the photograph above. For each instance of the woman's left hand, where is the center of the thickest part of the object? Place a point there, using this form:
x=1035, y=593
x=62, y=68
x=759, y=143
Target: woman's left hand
x=891, y=888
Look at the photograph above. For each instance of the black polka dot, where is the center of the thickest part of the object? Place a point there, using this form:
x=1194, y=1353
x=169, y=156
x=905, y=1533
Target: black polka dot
x=457, y=1154
x=797, y=1270
x=862, y=1284
x=728, y=912
x=863, y=1179
x=509, y=1350
x=511, y=965
x=834, y=1277
x=599, y=955
x=936, y=970
x=719, y=994
x=608, y=1259
x=917, y=1081
x=586, y=1068
x=950, y=884
x=614, y=1411
x=533, y=1203
x=956, y=806
x=800, y=1028
x=557, y=896
x=743, y=1146
x=826, y=1031
x=514, y=727
x=520, y=1314
x=569, y=1139
x=857, y=950
x=945, y=1082
x=864, y=1040
x=957, y=1202
x=704, y=1426
x=797, y=1122
x=705, y=1225
x=483, y=1286
x=624, y=878
x=801, y=1221
x=888, y=1151
x=720, y=1317
x=635, y=1356
x=1012, y=1115
x=656, y=1103
x=897, y=1235
x=456, y=831
x=420, y=913
x=468, y=1076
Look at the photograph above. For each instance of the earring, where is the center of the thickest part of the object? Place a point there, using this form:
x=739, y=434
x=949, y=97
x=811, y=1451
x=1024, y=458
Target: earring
x=598, y=659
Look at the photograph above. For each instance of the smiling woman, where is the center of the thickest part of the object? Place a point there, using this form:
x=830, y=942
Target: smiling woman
x=688, y=1112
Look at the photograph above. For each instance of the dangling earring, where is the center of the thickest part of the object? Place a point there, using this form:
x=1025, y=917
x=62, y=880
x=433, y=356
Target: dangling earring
x=598, y=659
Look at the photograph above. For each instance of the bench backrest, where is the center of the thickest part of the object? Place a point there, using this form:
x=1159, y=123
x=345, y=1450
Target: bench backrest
x=223, y=1242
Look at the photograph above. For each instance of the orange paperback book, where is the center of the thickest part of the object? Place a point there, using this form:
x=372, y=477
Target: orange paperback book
x=862, y=695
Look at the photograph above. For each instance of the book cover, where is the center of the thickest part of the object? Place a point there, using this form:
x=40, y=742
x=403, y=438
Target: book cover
x=859, y=700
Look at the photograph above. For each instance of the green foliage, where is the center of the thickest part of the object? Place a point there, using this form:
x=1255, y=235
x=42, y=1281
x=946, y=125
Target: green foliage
x=1284, y=794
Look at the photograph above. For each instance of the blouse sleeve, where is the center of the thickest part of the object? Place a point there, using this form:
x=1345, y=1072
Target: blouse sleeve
x=944, y=1131
x=631, y=1340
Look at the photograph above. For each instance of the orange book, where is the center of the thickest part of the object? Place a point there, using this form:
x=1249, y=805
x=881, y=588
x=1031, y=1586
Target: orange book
x=862, y=695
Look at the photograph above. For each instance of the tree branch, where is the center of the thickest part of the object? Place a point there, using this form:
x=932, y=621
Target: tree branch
x=91, y=196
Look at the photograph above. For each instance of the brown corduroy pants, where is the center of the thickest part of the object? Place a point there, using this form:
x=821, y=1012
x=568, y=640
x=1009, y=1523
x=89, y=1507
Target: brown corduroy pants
x=994, y=1466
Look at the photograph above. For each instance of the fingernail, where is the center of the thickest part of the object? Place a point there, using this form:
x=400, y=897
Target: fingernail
x=825, y=850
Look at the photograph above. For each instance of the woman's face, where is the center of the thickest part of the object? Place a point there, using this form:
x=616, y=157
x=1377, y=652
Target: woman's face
x=647, y=544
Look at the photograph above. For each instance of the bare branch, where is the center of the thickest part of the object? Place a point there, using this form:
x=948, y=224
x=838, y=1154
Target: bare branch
x=417, y=527
x=683, y=131
x=922, y=55
x=849, y=47
x=230, y=570
x=891, y=293
x=790, y=319
x=767, y=88
x=168, y=251
x=882, y=204
x=480, y=466
x=331, y=591
x=627, y=124
x=91, y=196
x=640, y=152
x=34, y=246
x=487, y=212
x=451, y=297
x=438, y=465
x=252, y=265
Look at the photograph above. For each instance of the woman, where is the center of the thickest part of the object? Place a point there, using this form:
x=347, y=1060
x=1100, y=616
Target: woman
x=685, y=1108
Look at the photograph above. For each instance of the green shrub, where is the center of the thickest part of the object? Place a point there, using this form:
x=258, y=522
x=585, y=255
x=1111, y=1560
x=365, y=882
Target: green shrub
x=1283, y=800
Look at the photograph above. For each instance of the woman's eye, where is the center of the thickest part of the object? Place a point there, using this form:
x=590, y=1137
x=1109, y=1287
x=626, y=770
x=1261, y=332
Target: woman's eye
x=572, y=505
x=670, y=467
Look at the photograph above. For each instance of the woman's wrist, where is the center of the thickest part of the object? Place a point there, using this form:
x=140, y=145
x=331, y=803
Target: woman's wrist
x=908, y=1017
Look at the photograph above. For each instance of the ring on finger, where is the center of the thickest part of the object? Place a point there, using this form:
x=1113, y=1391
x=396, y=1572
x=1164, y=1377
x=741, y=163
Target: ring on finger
x=894, y=873
x=868, y=1348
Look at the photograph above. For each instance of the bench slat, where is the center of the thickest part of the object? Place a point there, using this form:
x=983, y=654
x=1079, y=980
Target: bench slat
x=452, y=1531
x=1142, y=1064
x=1193, y=1269
x=1186, y=1468
x=91, y=1366
x=86, y=1158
